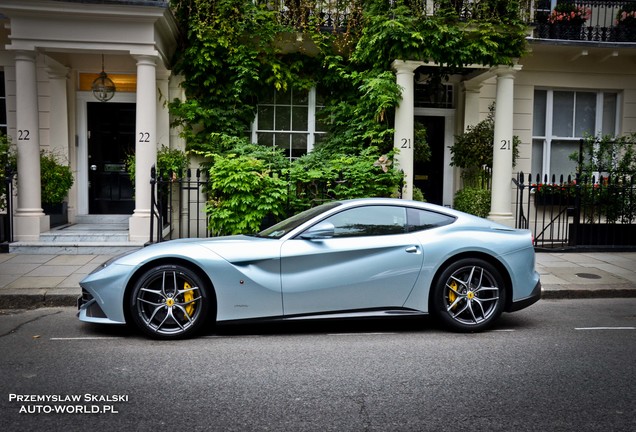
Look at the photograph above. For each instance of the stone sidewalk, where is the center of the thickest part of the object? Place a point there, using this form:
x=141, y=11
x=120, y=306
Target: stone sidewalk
x=28, y=281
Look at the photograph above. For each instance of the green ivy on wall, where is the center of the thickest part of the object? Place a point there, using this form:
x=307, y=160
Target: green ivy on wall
x=231, y=52
x=234, y=51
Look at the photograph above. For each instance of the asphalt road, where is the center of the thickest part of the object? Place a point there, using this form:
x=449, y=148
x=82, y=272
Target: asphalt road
x=560, y=365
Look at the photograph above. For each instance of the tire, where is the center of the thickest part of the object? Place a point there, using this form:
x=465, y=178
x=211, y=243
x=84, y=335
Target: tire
x=169, y=302
x=469, y=295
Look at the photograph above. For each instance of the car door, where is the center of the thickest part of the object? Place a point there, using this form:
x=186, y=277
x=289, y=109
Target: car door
x=369, y=261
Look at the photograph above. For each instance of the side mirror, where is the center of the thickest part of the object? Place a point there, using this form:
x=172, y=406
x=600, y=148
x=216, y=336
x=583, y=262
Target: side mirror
x=323, y=230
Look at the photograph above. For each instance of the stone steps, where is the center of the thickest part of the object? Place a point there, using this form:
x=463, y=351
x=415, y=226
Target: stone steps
x=90, y=235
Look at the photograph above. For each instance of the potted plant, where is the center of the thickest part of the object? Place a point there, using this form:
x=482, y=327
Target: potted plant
x=56, y=180
x=625, y=24
x=567, y=19
x=554, y=194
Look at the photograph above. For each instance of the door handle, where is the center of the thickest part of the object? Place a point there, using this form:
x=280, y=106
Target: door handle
x=412, y=249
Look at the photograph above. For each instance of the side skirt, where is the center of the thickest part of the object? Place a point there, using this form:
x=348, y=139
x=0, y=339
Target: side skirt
x=354, y=314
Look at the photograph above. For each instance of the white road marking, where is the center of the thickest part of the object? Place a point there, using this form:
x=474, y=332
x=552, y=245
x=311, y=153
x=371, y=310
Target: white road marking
x=82, y=338
x=359, y=334
x=605, y=328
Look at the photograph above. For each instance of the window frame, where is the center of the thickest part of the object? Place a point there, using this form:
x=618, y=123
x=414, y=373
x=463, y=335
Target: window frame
x=548, y=137
x=311, y=132
x=403, y=227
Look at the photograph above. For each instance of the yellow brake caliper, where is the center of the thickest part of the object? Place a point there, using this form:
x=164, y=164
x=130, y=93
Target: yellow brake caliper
x=451, y=293
x=188, y=296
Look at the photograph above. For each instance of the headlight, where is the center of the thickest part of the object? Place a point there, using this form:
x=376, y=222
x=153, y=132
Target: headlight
x=110, y=261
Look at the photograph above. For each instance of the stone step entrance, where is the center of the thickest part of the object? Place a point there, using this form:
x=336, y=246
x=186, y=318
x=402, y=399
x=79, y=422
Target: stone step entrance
x=89, y=235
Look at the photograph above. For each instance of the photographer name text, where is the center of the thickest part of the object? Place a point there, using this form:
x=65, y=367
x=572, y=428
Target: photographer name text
x=87, y=403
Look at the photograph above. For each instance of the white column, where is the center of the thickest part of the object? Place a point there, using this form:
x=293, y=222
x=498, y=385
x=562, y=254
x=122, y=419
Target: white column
x=29, y=219
x=59, y=113
x=59, y=129
x=472, y=93
x=163, y=115
x=145, y=147
x=403, y=138
x=501, y=196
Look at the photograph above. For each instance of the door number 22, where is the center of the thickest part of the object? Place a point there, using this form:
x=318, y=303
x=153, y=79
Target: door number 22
x=23, y=135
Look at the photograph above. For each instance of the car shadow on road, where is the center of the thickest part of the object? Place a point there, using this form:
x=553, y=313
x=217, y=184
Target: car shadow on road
x=367, y=325
x=423, y=324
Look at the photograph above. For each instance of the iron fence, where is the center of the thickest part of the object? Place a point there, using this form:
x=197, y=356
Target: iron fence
x=178, y=204
x=581, y=212
x=6, y=218
x=600, y=20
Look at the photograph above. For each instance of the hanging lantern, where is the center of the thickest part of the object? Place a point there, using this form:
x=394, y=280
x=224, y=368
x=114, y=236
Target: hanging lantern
x=103, y=87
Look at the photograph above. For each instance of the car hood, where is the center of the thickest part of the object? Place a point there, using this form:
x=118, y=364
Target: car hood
x=230, y=248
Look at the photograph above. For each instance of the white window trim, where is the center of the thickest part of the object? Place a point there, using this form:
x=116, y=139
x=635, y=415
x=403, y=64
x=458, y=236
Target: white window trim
x=549, y=111
x=311, y=123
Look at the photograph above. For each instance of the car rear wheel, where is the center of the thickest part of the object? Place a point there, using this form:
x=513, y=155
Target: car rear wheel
x=169, y=302
x=469, y=295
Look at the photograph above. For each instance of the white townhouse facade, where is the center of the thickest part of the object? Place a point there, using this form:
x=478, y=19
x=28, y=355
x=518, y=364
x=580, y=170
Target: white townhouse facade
x=51, y=52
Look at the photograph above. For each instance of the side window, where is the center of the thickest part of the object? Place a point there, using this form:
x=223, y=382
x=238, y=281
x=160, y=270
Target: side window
x=369, y=221
x=420, y=220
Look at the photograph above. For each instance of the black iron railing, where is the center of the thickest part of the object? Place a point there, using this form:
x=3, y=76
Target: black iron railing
x=591, y=20
x=328, y=15
x=178, y=204
x=6, y=217
x=582, y=212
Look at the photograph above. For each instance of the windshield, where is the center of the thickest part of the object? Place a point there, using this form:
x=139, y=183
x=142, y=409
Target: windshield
x=282, y=228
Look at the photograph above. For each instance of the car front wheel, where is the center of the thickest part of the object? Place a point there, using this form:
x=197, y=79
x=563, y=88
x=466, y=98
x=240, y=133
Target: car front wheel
x=469, y=295
x=169, y=302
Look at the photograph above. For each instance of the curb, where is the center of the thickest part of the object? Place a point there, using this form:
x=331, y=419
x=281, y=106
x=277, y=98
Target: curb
x=17, y=301
x=588, y=294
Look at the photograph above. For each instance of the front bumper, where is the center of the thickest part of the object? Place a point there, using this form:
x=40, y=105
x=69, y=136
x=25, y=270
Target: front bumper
x=102, y=299
x=88, y=310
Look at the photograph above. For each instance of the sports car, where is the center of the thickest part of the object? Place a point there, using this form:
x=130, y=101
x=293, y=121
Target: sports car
x=342, y=259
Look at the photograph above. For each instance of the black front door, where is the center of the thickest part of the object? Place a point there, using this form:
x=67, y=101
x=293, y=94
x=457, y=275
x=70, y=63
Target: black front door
x=111, y=137
x=429, y=176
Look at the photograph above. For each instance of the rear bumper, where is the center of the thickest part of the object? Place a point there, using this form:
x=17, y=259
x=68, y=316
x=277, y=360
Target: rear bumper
x=534, y=297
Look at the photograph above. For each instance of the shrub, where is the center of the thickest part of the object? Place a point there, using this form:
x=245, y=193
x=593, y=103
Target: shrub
x=56, y=178
x=257, y=184
x=168, y=160
x=473, y=150
x=244, y=192
x=607, y=170
x=473, y=200
x=8, y=165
